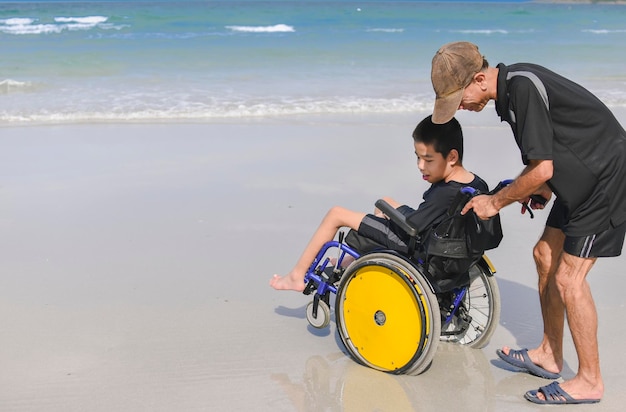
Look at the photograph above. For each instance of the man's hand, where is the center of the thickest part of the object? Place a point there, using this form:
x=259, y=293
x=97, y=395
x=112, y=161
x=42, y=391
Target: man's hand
x=483, y=206
x=536, y=201
x=532, y=180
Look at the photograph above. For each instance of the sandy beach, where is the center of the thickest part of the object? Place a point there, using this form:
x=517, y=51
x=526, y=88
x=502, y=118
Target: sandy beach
x=136, y=258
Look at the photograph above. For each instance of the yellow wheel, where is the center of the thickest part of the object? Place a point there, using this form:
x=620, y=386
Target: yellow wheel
x=387, y=316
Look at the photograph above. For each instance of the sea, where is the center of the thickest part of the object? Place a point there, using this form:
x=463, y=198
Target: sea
x=207, y=61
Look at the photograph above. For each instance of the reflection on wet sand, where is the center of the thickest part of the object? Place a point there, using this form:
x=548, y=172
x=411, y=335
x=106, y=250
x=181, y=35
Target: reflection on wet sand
x=337, y=383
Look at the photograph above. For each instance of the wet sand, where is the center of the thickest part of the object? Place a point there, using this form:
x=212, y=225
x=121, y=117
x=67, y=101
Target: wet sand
x=136, y=259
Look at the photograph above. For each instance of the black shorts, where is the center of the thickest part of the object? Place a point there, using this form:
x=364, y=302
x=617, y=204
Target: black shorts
x=606, y=243
x=378, y=233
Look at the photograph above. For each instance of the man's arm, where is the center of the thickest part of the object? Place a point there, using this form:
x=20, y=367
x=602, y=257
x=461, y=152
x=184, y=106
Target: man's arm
x=531, y=181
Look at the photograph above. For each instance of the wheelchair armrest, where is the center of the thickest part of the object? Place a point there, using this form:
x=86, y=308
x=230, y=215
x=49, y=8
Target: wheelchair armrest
x=396, y=217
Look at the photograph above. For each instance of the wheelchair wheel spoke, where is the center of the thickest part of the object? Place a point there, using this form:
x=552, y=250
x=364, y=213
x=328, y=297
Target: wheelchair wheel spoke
x=479, y=315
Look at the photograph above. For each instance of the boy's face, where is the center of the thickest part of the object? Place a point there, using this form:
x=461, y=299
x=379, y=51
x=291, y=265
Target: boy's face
x=432, y=164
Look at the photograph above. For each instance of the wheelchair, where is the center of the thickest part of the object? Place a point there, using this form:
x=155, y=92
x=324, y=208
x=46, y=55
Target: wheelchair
x=389, y=309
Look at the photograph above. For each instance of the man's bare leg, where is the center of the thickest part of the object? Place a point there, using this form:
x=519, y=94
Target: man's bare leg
x=582, y=318
x=336, y=218
x=547, y=252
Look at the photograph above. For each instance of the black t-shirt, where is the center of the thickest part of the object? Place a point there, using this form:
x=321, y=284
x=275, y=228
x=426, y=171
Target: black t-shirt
x=553, y=118
x=437, y=200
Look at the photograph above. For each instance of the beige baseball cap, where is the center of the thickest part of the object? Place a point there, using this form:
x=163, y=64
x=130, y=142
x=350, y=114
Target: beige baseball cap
x=454, y=66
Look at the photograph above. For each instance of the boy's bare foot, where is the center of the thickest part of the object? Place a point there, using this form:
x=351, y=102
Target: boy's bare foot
x=287, y=282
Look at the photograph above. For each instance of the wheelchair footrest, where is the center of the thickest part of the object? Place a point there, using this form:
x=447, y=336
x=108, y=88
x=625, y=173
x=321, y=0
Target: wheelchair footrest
x=310, y=287
x=329, y=276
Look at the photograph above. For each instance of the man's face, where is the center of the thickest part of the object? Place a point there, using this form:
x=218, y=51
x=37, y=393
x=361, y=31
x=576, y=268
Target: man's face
x=433, y=166
x=475, y=98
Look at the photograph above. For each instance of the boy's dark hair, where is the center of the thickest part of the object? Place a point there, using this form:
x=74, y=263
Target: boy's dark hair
x=443, y=137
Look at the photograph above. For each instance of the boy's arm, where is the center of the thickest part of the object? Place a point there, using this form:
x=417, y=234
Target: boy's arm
x=395, y=216
x=394, y=204
x=436, y=202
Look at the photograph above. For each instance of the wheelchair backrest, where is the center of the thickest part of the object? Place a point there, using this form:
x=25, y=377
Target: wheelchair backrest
x=456, y=243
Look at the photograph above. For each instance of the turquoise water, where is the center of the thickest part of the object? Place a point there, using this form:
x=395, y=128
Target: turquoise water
x=206, y=60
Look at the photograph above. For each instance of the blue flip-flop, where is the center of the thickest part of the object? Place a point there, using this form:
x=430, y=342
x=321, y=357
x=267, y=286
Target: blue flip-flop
x=520, y=359
x=555, y=395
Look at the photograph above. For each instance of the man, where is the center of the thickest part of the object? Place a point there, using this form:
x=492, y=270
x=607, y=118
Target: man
x=572, y=146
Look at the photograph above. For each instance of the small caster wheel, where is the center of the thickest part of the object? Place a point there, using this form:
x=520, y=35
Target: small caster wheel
x=323, y=314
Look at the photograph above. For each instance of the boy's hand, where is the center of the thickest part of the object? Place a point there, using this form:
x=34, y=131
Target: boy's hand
x=482, y=205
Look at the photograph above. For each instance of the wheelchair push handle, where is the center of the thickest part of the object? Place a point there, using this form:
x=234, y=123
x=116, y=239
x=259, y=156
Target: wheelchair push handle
x=501, y=185
x=468, y=190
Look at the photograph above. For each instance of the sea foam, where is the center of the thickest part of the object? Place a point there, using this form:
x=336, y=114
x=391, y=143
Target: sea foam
x=9, y=86
x=278, y=28
x=30, y=26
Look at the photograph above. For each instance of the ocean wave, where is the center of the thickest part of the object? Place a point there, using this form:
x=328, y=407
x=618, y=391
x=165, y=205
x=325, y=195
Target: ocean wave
x=17, y=21
x=196, y=111
x=25, y=25
x=481, y=31
x=24, y=110
x=8, y=86
x=82, y=20
x=386, y=30
x=603, y=31
x=277, y=28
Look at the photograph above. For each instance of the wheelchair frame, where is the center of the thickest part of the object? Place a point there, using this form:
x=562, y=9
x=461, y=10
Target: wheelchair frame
x=443, y=316
x=371, y=326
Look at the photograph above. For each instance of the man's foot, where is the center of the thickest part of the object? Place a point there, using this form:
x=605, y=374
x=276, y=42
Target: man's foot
x=287, y=282
x=520, y=359
x=554, y=394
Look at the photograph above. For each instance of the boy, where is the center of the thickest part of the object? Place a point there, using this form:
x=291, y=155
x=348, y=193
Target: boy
x=439, y=151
